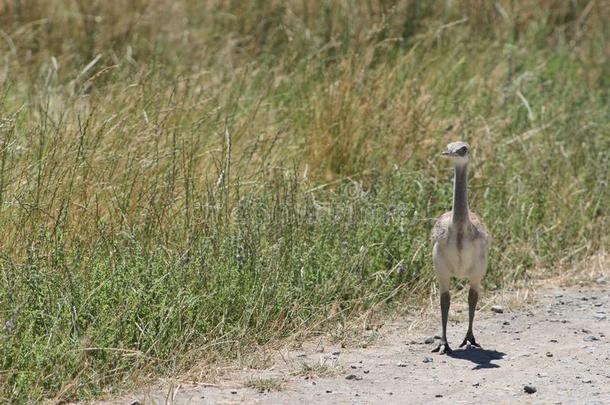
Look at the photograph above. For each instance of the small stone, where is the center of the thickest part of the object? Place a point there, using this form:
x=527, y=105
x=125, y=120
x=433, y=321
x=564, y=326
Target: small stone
x=505, y=323
x=585, y=330
x=530, y=389
x=600, y=316
x=233, y=392
x=366, y=371
x=353, y=367
x=329, y=391
x=429, y=340
x=402, y=364
x=587, y=381
x=437, y=337
x=428, y=360
x=9, y=325
x=590, y=338
x=353, y=377
x=553, y=340
x=549, y=354
x=438, y=396
x=498, y=309
x=336, y=353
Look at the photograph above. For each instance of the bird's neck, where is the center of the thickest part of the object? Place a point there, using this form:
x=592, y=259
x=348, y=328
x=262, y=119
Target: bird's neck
x=460, y=195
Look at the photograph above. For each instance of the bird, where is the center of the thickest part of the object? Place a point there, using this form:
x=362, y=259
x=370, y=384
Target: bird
x=460, y=246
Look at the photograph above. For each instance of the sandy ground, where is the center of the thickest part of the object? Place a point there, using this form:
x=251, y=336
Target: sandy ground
x=557, y=343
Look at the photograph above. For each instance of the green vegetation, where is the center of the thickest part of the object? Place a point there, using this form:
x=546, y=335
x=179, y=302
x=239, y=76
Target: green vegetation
x=265, y=384
x=184, y=178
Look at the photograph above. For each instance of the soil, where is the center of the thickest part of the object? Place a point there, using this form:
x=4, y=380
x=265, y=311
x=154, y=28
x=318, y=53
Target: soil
x=549, y=347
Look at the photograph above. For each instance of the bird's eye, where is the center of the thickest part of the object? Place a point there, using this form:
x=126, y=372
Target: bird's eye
x=462, y=151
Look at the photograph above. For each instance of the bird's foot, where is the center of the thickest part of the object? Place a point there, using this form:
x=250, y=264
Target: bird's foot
x=443, y=348
x=469, y=341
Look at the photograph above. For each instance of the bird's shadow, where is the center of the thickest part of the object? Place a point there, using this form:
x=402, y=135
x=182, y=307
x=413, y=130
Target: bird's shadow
x=481, y=357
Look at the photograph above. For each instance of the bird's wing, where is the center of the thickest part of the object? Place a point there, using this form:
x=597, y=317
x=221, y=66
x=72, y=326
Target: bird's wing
x=480, y=226
x=440, y=229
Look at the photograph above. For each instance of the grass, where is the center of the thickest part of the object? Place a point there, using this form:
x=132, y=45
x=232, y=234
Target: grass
x=180, y=180
x=317, y=370
x=265, y=384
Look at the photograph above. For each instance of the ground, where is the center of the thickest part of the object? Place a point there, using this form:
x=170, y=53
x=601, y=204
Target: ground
x=555, y=340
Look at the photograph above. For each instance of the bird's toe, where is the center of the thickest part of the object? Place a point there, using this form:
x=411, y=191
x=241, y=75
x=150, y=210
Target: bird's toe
x=443, y=348
x=470, y=341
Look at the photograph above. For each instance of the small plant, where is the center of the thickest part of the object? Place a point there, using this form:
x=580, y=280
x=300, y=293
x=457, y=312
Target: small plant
x=265, y=384
x=317, y=370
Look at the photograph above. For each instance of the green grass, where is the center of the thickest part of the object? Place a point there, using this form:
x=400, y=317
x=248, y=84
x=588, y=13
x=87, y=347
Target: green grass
x=265, y=384
x=180, y=180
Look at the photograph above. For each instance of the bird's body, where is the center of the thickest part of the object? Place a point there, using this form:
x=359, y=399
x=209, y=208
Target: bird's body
x=462, y=248
x=460, y=245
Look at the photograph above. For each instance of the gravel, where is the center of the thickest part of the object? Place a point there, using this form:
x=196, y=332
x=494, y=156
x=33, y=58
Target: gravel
x=530, y=389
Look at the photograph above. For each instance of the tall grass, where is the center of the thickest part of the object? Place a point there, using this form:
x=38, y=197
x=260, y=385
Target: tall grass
x=183, y=178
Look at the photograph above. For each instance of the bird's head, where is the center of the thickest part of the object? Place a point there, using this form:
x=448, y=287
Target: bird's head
x=458, y=152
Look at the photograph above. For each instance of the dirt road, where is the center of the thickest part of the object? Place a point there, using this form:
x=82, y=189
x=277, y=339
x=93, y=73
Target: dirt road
x=559, y=345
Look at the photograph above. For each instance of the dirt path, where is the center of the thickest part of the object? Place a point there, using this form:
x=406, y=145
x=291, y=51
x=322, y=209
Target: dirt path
x=559, y=344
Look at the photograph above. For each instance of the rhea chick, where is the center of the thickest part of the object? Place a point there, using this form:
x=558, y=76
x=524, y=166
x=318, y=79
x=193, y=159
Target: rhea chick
x=461, y=244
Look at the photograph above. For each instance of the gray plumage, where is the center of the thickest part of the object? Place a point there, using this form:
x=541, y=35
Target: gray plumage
x=460, y=245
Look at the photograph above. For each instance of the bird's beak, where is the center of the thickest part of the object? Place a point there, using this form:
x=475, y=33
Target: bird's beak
x=446, y=153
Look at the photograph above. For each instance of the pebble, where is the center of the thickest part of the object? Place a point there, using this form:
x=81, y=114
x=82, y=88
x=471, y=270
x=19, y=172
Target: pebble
x=590, y=338
x=498, y=309
x=234, y=392
x=505, y=323
x=549, y=354
x=9, y=325
x=600, y=316
x=429, y=340
x=438, y=396
x=329, y=391
x=428, y=359
x=353, y=377
x=530, y=389
x=402, y=364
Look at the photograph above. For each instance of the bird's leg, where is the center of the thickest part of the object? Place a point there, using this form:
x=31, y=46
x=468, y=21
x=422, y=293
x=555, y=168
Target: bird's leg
x=473, y=297
x=443, y=347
